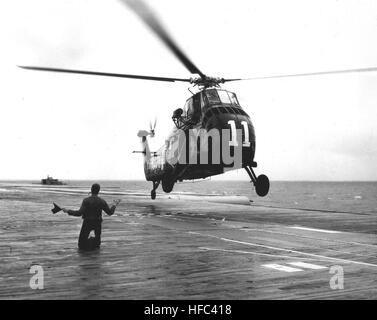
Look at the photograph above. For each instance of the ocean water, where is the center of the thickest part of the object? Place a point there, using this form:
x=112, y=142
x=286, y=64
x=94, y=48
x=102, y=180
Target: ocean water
x=355, y=197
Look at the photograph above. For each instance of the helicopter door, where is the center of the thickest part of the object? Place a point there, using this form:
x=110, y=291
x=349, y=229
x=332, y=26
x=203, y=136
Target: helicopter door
x=193, y=109
x=197, y=108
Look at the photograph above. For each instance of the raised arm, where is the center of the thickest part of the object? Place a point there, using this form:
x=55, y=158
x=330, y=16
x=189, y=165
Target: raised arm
x=109, y=211
x=77, y=213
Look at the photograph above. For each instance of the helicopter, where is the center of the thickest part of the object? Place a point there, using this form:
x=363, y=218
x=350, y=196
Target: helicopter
x=212, y=114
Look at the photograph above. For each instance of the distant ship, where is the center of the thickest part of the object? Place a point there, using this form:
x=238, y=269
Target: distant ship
x=51, y=181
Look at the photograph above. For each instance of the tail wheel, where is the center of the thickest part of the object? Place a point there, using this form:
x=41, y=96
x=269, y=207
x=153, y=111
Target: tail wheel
x=167, y=185
x=262, y=185
x=153, y=194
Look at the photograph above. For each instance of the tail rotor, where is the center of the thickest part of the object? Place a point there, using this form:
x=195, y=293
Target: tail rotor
x=152, y=127
x=151, y=132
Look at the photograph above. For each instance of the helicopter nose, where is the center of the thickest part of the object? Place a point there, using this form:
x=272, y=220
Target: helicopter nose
x=238, y=129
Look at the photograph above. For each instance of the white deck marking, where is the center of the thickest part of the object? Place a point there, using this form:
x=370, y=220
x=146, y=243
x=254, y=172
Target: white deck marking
x=317, y=230
x=287, y=250
x=256, y=253
x=281, y=268
x=307, y=265
x=307, y=237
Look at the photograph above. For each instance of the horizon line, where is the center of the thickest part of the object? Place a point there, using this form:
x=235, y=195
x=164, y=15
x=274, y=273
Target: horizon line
x=195, y=180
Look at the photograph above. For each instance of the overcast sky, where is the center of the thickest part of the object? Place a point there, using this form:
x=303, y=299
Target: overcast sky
x=82, y=127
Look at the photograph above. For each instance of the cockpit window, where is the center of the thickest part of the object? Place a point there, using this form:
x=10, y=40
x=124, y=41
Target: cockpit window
x=233, y=98
x=189, y=108
x=212, y=96
x=204, y=100
x=192, y=109
x=224, y=96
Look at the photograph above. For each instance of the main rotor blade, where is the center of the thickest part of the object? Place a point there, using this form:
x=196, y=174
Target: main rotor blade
x=106, y=74
x=228, y=80
x=150, y=19
x=311, y=74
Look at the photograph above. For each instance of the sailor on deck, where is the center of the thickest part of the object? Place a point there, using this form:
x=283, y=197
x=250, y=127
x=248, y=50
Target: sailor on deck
x=91, y=213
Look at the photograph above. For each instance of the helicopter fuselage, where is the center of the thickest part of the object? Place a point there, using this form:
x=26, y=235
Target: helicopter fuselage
x=216, y=115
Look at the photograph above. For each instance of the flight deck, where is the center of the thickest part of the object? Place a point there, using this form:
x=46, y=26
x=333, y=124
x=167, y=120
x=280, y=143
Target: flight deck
x=185, y=247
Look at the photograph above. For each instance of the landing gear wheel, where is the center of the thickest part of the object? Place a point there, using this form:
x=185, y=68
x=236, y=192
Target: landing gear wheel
x=167, y=185
x=153, y=194
x=262, y=185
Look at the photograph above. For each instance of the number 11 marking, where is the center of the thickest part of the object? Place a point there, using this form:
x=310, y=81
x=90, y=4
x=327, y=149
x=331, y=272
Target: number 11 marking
x=233, y=141
x=246, y=143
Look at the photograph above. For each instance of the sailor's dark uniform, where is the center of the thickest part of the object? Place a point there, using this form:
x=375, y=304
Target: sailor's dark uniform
x=91, y=212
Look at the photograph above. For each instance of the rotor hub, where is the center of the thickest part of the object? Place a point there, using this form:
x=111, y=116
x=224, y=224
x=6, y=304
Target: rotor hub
x=206, y=82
